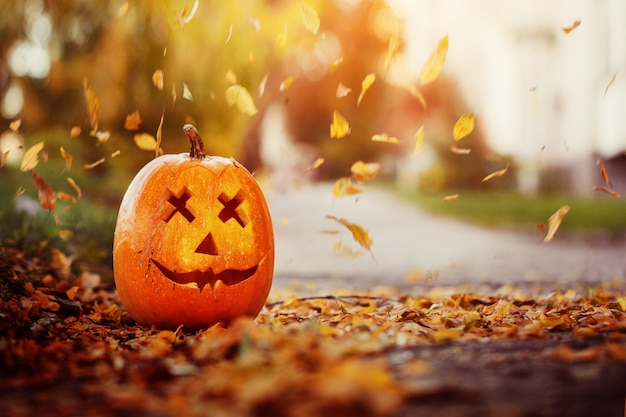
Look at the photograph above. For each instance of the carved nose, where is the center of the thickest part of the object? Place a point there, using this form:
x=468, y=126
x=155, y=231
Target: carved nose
x=207, y=246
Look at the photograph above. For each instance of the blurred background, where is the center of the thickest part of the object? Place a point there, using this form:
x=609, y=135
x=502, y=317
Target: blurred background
x=546, y=82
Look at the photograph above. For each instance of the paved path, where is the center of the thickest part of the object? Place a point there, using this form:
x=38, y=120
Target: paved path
x=408, y=242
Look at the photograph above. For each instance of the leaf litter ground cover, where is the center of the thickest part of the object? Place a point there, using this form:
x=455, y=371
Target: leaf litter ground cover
x=67, y=347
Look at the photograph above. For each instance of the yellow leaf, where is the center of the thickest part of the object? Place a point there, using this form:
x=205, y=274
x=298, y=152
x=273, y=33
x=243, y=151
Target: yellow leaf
x=573, y=26
x=185, y=17
x=159, y=135
x=30, y=158
x=419, y=142
x=344, y=186
x=157, y=79
x=67, y=157
x=443, y=335
x=286, y=84
x=133, y=121
x=622, y=303
x=450, y=197
x=335, y=64
x=339, y=127
x=75, y=186
x=239, y=96
x=65, y=197
x=463, y=127
x=392, y=51
x=15, y=125
x=231, y=78
x=94, y=164
x=318, y=162
x=434, y=65
x=310, y=19
x=342, y=91
x=383, y=137
x=145, y=141
x=498, y=173
x=121, y=12
x=116, y=153
x=281, y=39
x=262, y=85
x=363, y=171
x=93, y=106
x=3, y=158
x=359, y=234
x=346, y=251
x=554, y=222
x=20, y=191
x=365, y=85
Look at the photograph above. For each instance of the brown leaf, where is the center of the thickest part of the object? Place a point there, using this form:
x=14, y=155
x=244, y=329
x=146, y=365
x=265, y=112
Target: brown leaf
x=133, y=121
x=93, y=106
x=554, y=222
x=46, y=194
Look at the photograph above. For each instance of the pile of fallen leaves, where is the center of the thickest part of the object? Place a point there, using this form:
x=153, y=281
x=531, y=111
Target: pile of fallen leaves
x=67, y=347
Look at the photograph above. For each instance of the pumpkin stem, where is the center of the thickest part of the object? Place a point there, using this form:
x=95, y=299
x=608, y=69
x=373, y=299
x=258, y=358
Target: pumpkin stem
x=197, y=147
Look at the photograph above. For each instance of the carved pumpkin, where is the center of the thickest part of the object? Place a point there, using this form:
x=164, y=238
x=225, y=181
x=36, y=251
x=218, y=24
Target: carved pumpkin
x=193, y=244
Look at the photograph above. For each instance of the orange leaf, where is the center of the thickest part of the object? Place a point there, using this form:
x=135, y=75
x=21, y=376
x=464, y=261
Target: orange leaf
x=75, y=131
x=30, y=158
x=498, y=173
x=435, y=63
x=67, y=157
x=555, y=221
x=573, y=26
x=463, y=127
x=606, y=190
x=344, y=186
x=157, y=79
x=65, y=197
x=46, y=194
x=93, y=106
x=365, y=85
x=339, y=127
x=363, y=171
x=133, y=121
x=605, y=175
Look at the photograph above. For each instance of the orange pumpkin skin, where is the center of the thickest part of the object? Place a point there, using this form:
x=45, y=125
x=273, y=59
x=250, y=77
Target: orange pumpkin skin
x=193, y=244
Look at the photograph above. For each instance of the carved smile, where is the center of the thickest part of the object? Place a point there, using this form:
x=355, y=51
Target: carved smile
x=202, y=278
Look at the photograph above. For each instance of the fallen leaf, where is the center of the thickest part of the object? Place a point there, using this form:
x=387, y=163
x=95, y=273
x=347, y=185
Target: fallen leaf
x=93, y=106
x=573, y=26
x=344, y=186
x=342, y=90
x=133, y=121
x=365, y=85
x=75, y=131
x=145, y=141
x=187, y=92
x=463, y=126
x=30, y=158
x=310, y=19
x=383, y=137
x=68, y=159
x=239, y=96
x=75, y=186
x=605, y=175
x=498, y=173
x=610, y=83
x=316, y=164
x=554, y=222
x=94, y=164
x=157, y=79
x=15, y=125
x=364, y=171
x=359, y=234
x=339, y=127
x=606, y=190
x=450, y=197
x=46, y=194
x=460, y=151
x=434, y=65
x=419, y=142
x=622, y=302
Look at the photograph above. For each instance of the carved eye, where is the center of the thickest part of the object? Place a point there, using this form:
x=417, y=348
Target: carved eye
x=178, y=204
x=232, y=210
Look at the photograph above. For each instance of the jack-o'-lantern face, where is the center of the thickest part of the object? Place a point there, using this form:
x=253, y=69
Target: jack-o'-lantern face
x=193, y=243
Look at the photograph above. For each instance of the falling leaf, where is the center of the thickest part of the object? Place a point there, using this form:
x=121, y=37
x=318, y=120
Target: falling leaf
x=145, y=141
x=286, y=84
x=68, y=159
x=15, y=125
x=231, y=78
x=463, y=127
x=606, y=190
x=65, y=197
x=310, y=19
x=133, y=121
x=365, y=85
x=554, y=222
x=335, y=64
x=186, y=17
x=344, y=187
x=605, y=175
x=75, y=131
x=157, y=79
x=174, y=95
x=187, y=93
x=123, y=9
x=262, y=85
x=610, y=83
x=281, y=38
x=3, y=158
x=20, y=191
x=345, y=251
x=418, y=95
x=255, y=23
x=573, y=26
x=339, y=127
x=116, y=153
x=238, y=95
x=498, y=173
x=383, y=137
x=342, y=91
x=434, y=65
x=316, y=164
x=364, y=171
x=30, y=158
x=102, y=137
x=359, y=234
x=460, y=151
x=159, y=135
x=94, y=164
x=230, y=34
x=93, y=106
x=419, y=142
x=75, y=186
x=392, y=51
x=46, y=194
x=450, y=197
